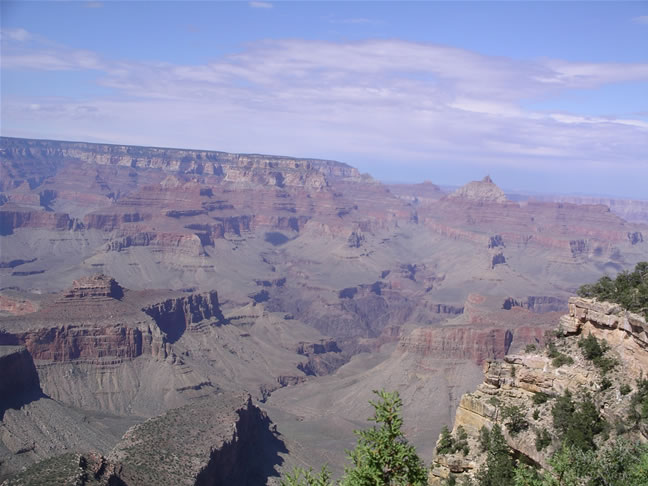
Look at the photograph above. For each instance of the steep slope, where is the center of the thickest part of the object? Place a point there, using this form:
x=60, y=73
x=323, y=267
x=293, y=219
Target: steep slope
x=532, y=382
x=220, y=440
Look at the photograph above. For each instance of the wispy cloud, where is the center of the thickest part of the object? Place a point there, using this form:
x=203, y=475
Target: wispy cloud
x=19, y=35
x=382, y=98
x=643, y=19
x=93, y=4
x=260, y=5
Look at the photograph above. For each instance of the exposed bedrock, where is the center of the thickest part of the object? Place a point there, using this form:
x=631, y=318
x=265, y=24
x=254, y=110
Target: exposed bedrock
x=537, y=303
x=218, y=441
x=515, y=380
x=18, y=380
x=261, y=169
x=16, y=307
x=474, y=344
x=174, y=316
x=71, y=342
x=12, y=219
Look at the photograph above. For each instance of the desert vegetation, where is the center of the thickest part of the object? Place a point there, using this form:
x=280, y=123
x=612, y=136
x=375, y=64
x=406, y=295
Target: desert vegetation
x=629, y=289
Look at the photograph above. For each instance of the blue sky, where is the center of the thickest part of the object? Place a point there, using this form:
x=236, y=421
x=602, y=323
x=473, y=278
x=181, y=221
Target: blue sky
x=543, y=96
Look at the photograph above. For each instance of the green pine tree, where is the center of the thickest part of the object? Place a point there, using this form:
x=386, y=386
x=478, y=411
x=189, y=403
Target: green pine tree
x=499, y=468
x=383, y=457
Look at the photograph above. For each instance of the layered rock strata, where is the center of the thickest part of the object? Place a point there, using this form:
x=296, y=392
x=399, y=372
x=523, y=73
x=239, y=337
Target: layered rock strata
x=515, y=380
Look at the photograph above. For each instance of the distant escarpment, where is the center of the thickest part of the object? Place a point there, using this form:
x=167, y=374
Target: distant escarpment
x=184, y=218
x=595, y=361
x=48, y=156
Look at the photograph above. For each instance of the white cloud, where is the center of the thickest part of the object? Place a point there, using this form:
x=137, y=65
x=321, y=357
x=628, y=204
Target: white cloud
x=379, y=98
x=19, y=35
x=260, y=5
x=643, y=19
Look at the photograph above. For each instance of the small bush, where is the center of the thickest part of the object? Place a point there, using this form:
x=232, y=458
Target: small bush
x=516, y=422
x=543, y=439
x=557, y=358
x=484, y=438
x=605, y=383
x=629, y=289
x=540, y=397
x=552, y=350
x=591, y=347
x=625, y=389
x=639, y=403
x=530, y=348
x=536, y=414
x=446, y=442
x=449, y=444
x=562, y=359
x=594, y=350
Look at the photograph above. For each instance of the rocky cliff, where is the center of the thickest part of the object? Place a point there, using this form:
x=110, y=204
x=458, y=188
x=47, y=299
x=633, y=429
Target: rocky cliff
x=272, y=170
x=484, y=191
x=19, y=380
x=519, y=379
x=218, y=441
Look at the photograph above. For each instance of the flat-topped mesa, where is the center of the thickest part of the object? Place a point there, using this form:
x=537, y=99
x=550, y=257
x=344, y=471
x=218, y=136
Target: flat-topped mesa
x=255, y=168
x=480, y=191
x=98, y=286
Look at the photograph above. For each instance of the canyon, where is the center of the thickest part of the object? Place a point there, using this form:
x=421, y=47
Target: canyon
x=146, y=292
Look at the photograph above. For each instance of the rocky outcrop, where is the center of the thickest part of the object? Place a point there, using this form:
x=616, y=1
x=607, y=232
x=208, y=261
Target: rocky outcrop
x=12, y=218
x=220, y=440
x=537, y=303
x=625, y=331
x=174, y=316
x=518, y=378
x=170, y=243
x=484, y=191
x=458, y=342
x=19, y=379
x=95, y=287
x=16, y=307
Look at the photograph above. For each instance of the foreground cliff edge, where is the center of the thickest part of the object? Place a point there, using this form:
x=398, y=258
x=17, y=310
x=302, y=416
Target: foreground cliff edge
x=523, y=395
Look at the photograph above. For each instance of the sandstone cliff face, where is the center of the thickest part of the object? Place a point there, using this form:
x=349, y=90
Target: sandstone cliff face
x=476, y=345
x=514, y=381
x=12, y=218
x=174, y=316
x=237, y=167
